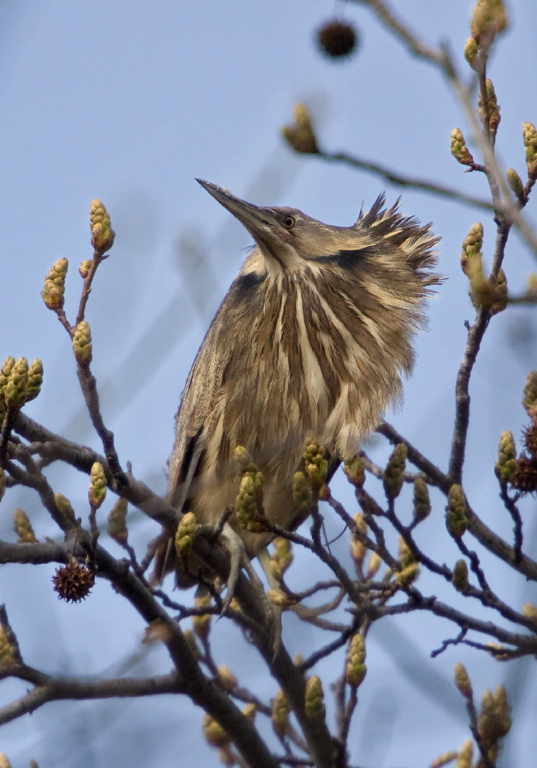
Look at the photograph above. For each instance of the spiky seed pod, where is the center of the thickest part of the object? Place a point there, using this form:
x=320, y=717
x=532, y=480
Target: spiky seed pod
x=336, y=39
x=7, y=657
x=97, y=488
x=302, y=493
x=530, y=395
x=458, y=148
x=355, y=471
x=82, y=346
x=314, y=700
x=491, y=107
x=456, y=521
x=460, y=576
x=282, y=553
x=102, y=234
x=393, y=475
x=65, y=507
x=117, y=522
x=54, y=286
x=300, y=135
x=515, y=182
x=214, y=734
x=355, y=669
x=315, y=464
x=422, y=503
x=529, y=138
x=407, y=576
x=35, y=380
x=462, y=681
x=524, y=478
x=506, y=465
x=281, y=710
x=17, y=384
x=489, y=19
x=465, y=755
x=23, y=527
x=201, y=625
x=185, y=534
x=530, y=439
x=73, y=582
x=84, y=268
x=470, y=51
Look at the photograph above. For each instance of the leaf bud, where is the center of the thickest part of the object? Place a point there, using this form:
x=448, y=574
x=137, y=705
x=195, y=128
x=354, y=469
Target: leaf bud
x=23, y=527
x=314, y=701
x=97, y=488
x=422, y=502
x=54, y=285
x=393, y=475
x=117, y=525
x=460, y=576
x=82, y=346
x=102, y=234
x=458, y=148
x=456, y=521
x=281, y=710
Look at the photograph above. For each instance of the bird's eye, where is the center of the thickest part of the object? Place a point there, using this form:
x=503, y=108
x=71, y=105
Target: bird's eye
x=289, y=222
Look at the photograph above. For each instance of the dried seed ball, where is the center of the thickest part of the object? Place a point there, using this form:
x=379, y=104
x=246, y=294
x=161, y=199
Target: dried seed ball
x=73, y=582
x=336, y=39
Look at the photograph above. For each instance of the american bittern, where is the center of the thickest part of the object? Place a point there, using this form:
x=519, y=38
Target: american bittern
x=315, y=333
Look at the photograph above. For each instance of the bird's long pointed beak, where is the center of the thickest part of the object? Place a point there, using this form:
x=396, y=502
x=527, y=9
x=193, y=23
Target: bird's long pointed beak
x=252, y=217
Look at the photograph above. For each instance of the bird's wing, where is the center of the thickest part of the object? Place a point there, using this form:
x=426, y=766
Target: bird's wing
x=198, y=402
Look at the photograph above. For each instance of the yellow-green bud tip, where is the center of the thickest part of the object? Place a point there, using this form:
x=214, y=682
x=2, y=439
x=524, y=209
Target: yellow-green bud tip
x=82, y=345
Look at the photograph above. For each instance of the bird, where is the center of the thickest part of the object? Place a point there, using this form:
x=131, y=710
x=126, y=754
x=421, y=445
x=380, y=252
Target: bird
x=314, y=335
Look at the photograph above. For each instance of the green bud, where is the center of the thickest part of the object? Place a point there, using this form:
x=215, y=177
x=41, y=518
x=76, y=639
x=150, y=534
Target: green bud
x=505, y=467
x=529, y=137
x=54, y=286
x=407, y=576
x=458, y=148
x=422, y=502
x=23, y=527
x=460, y=576
x=462, y=681
x=214, y=733
x=82, y=346
x=530, y=395
x=314, y=701
x=393, y=475
x=302, y=494
x=354, y=469
x=515, y=182
x=117, y=521
x=491, y=106
x=84, y=268
x=65, y=508
x=471, y=51
x=456, y=521
x=281, y=709
x=300, y=135
x=249, y=501
x=102, y=234
x=97, y=489
x=355, y=669
x=465, y=755
x=17, y=384
x=185, y=534
x=35, y=380
x=315, y=464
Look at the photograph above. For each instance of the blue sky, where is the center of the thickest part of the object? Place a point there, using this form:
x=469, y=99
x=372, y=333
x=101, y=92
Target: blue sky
x=129, y=102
